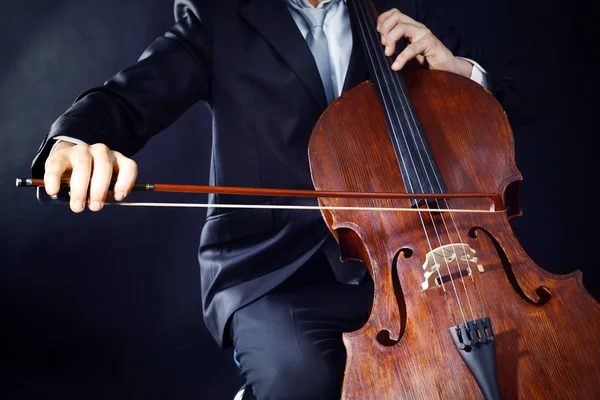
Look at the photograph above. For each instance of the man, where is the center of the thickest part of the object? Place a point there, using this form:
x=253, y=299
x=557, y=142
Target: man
x=272, y=283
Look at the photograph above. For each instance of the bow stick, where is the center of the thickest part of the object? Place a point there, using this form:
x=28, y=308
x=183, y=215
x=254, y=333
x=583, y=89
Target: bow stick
x=496, y=203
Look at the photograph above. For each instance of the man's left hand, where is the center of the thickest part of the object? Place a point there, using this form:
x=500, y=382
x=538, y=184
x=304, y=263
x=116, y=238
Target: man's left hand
x=424, y=46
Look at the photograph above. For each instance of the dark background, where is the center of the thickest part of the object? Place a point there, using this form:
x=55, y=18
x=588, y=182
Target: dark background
x=107, y=305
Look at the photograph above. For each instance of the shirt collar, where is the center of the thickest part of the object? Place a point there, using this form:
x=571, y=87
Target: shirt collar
x=305, y=3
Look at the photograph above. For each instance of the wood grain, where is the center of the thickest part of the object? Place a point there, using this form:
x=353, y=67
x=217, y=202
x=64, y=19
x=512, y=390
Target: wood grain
x=549, y=351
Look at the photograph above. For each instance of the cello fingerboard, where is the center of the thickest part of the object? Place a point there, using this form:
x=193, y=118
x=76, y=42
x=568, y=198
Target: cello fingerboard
x=415, y=159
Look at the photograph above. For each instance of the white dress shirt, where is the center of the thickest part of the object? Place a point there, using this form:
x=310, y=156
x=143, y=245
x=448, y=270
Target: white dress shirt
x=339, y=38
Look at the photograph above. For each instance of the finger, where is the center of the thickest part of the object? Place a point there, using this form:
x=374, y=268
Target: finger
x=384, y=16
x=408, y=20
x=127, y=174
x=55, y=167
x=409, y=52
x=102, y=160
x=81, y=162
x=412, y=32
x=387, y=21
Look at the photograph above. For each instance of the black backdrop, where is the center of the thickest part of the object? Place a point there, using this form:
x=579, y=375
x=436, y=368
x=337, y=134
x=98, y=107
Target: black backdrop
x=107, y=305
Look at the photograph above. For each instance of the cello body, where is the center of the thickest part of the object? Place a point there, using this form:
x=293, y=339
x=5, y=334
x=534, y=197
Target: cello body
x=534, y=334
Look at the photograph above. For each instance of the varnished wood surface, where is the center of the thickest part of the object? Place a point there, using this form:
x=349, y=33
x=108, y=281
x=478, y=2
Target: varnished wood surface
x=549, y=351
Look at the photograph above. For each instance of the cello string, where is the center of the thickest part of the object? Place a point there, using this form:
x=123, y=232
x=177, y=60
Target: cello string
x=363, y=27
x=406, y=109
x=415, y=136
x=412, y=128
x=478, y=297
x=382, y=63
x=391, y=77
x=476, y=289
x=394, y=136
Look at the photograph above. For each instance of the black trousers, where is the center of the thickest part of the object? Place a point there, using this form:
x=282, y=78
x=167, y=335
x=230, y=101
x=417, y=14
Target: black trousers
x=289, y=342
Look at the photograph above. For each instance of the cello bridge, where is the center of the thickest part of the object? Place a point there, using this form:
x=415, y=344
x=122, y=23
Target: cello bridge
x=449, y=262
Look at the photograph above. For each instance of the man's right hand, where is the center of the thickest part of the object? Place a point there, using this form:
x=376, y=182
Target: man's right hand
x=89, y=167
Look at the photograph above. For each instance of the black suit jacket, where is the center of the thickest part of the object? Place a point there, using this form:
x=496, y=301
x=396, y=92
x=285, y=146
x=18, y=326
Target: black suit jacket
x=248, y=62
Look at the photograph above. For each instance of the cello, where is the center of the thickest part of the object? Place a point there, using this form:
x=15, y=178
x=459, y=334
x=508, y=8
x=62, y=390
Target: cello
x=460, y=311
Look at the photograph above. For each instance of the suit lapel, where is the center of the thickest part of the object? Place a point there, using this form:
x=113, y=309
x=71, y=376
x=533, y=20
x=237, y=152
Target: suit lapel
x=274, y=22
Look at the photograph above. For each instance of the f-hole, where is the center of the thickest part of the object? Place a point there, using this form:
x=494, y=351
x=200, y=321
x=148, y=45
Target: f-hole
x=384, y=337
x=543, y=292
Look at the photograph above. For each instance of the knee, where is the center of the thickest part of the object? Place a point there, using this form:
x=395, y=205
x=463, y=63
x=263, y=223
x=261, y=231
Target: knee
x=301, y=380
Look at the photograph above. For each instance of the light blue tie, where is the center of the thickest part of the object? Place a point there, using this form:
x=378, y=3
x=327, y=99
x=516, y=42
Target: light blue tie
x=317, y=42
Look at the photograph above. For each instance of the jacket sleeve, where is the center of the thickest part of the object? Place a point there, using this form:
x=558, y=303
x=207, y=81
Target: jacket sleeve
x=171, y=75
x=499, y=75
